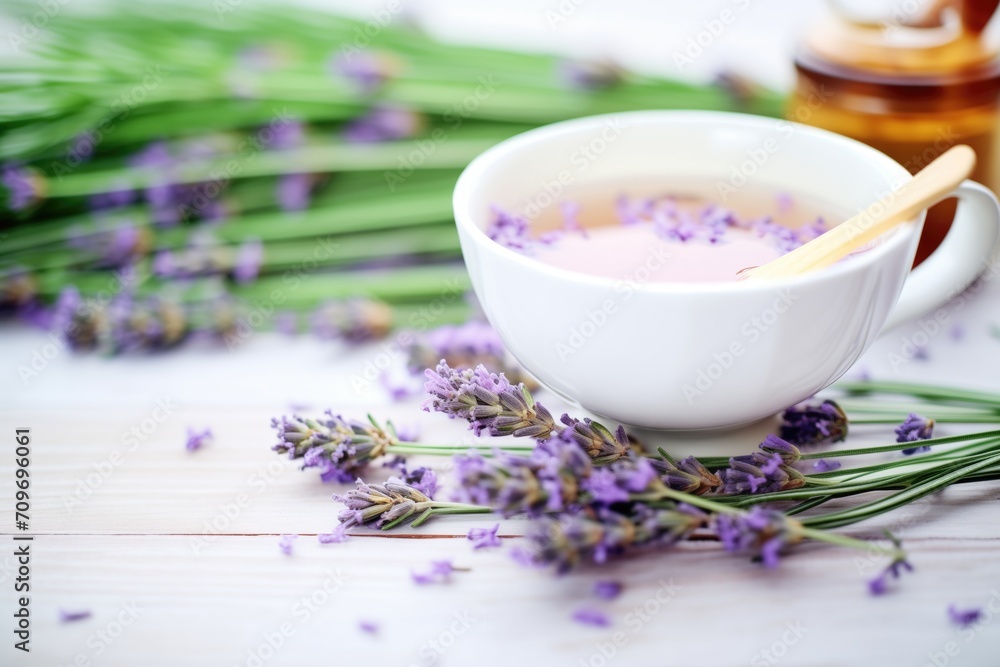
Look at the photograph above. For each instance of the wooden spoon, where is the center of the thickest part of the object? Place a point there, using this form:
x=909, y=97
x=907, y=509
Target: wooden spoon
x=932, y=184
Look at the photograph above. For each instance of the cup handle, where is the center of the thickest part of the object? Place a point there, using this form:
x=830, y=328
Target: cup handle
x=963, y=254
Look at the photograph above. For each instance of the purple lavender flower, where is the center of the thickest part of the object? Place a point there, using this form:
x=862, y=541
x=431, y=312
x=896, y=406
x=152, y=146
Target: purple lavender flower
x=294, y=191
x=365, y=69
x=196, y=441
x=571, y=218
x=246, y=267
x=286, y=542
x=599, y=443
x=150, y=324
x=439, y=573
x=549, y=480
x=18, y=289
x=607, y=590
x=484, y=537
x=915, y=428
x=383, y=123
x=957, y=332
x=287, y=135
x=338, y=448
x=102, y=201
x=353, y=320
x=880, y=584
x=593, y=617
x=826, y=466
x=634, y=211
x=814, y=424
x=382, y=503
x=590, y=75
x=338, y=535
x=759, y=531
x=963, y=618
x=23, y=187
x=73, y=616
x=368, y=627
x=566, y=540
x=422, y=479
x=687, y=475
x=760, y=472
x=602, y=485
x=487, y=401
x=511, y=231
x=788, y=452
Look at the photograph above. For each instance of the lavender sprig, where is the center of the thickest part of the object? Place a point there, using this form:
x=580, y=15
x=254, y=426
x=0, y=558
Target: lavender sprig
x=392, y=503
x=491, y=404
x=339, y=448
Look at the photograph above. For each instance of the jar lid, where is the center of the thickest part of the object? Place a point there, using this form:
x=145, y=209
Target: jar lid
x=887, y=51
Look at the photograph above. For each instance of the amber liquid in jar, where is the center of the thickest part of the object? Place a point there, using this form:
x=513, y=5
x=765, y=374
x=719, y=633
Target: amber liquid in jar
x=910, y=105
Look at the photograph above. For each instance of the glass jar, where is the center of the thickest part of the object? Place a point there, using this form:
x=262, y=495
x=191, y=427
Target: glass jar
x=910, y=92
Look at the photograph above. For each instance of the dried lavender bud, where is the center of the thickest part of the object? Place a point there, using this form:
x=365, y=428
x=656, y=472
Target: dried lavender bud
x=788, y=452
x=488, y=402
x=353, y=320
x=758, y=473
x=599, y=443
x=760, y=531
x=18, y=288
x=596, y=535
x=381, y=503
x=549, y=480
x=383, y=123
x=688, y=475
x=915, y=428
x=148, y=325
x=814, y=424
x=340, y=449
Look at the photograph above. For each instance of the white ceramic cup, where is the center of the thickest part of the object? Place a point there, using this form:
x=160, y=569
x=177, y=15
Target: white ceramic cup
x=703, y=355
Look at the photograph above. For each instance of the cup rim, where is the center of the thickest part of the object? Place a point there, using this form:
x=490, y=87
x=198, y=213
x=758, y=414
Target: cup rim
x=472, y=175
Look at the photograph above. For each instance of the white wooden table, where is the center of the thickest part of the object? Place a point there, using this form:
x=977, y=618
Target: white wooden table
x=176, y=553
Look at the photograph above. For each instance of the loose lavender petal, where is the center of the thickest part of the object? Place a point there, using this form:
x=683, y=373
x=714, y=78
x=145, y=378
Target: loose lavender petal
x=72, y=616
x=338, y=535
x=826, y=466
x=196, y=441
x=592, y=617
x=369, y=627
x=964, y=618
x=484, y=537
x=248, y=261
x=607, y=590
x=286, y=542
x=913, y=429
